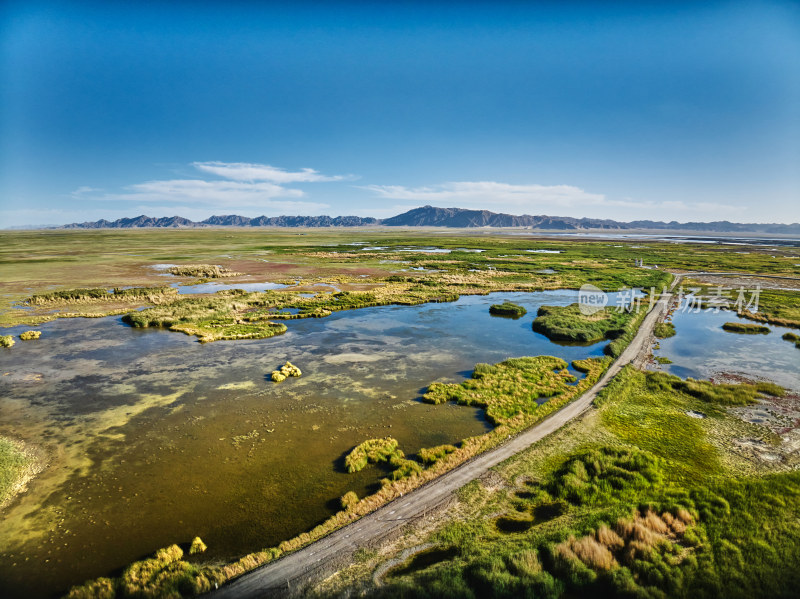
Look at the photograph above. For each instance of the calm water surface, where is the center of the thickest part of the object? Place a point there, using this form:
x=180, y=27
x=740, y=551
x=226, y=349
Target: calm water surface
x=701, y=349
x=155, y=438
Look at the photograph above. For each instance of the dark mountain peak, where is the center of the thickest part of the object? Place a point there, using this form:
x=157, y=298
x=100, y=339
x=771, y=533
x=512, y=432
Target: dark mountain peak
x=433, y=216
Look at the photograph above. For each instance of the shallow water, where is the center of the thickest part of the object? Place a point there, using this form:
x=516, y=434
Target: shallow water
x=701, y=348
x=214, y=287
x=156, y=438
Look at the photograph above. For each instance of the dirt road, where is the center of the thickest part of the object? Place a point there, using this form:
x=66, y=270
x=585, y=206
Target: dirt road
x=289, y=575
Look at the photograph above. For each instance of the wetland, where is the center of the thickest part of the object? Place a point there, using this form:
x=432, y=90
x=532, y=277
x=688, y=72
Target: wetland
x=133, y=436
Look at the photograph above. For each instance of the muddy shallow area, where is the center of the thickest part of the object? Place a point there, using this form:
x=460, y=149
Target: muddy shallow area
x=154, y=438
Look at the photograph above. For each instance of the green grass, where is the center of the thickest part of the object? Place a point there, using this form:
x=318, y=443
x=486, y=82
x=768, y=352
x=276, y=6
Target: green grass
x=371, y=451
x=507, y=309
x=29, y=335
x=68, y=296
x=635, y=502
x=6, y=341
x=662, y=330
x=747, y=329
x=567, y=323
x=507, y=390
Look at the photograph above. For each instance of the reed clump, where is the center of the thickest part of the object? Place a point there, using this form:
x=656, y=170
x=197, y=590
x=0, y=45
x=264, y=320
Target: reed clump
x=348, y=500
x=28, y=335
x=568, y=323
x=662, y=330
x=206, y=271
x=197, y=546
x=745, y=328
x=102, y=295
x=507, y=309
x=371, y=451
x=6, y=341
x=431, y=455
x=285, y=372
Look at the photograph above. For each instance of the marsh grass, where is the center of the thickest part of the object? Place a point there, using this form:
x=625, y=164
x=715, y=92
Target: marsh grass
x=567, y=323
x=662, y=330
x=70, y=296
x=6, y=341
x=507, y=309
x=285, y=372
x=206, y=271
x=510, y=390
x=748, y=329
x=29, y=335
x=649, y=512
x=371, y=451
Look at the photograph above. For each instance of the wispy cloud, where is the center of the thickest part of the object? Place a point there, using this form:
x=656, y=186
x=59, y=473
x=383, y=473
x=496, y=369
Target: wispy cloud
x=234, y=186
x=245, y=171
x=488, y=193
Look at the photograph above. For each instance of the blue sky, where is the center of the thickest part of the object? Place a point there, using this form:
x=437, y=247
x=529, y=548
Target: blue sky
x=685, y=111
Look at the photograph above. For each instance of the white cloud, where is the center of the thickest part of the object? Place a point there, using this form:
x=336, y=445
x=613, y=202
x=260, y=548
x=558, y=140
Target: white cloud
x=241, y=186
x=489, y=193
x=83, y=191
x=244, y=171
x=207, y=192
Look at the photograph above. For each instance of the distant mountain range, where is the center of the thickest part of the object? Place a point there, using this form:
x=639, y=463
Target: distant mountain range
x=430, y=216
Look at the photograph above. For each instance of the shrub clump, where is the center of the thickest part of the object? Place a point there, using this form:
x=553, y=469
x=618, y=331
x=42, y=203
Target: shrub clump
x=371, y=451
x=431, y=455
x=28, y=335
x=6, y=341
x=165, y=574
x=197, y=546
x=285, y=372
x=507, y=309
x=348, y=500
x=747, y=329
x=662, y=330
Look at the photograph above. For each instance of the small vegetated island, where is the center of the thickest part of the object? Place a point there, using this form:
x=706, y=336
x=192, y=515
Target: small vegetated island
x=507, y=309
x=745, y=328
x=793, y=338
x=569, y=324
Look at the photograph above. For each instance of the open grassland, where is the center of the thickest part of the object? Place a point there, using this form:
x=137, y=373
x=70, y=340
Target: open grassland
x=37, y=262
x=637, y=499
